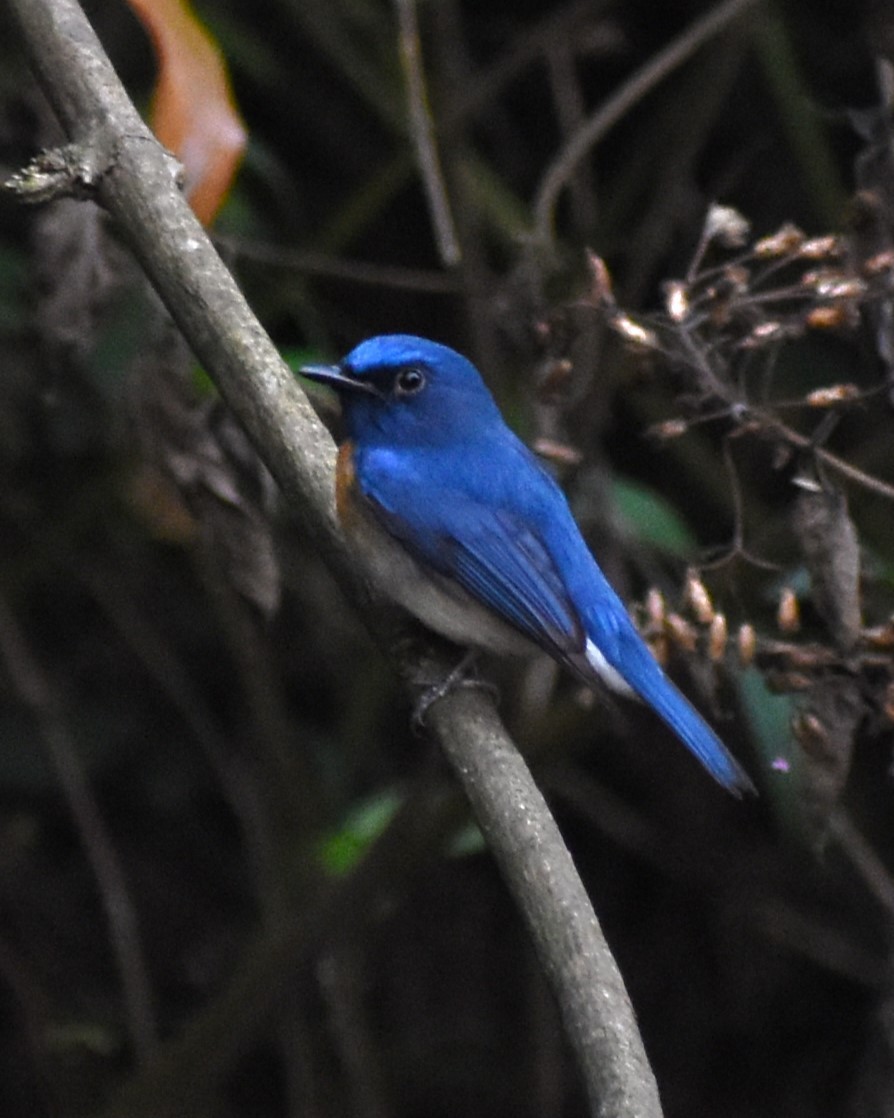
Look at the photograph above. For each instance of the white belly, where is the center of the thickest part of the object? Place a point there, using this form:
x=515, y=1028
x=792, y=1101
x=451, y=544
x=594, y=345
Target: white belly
x=437, y=602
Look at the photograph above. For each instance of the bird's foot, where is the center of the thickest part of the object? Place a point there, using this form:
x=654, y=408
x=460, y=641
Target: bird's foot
x=457, y=677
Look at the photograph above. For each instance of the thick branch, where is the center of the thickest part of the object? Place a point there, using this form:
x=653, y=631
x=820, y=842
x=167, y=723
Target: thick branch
x=135, y=181
x=526, y=842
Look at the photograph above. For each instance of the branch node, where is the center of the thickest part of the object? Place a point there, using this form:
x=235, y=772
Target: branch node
x=71, y=171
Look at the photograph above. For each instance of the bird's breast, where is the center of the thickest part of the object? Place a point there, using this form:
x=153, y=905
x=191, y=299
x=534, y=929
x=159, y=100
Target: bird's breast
x=437, y=601
x=345, y=483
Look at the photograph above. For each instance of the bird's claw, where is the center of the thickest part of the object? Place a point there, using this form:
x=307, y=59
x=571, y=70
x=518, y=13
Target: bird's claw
x=457, y=677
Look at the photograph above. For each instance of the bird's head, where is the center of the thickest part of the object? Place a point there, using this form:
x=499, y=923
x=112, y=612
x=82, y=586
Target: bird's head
x=399, y=389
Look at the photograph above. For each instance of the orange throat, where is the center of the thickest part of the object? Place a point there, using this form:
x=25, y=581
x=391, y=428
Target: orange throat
x=345, y=480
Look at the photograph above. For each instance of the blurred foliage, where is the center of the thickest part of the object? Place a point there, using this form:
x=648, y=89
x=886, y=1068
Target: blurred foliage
x=232, y=881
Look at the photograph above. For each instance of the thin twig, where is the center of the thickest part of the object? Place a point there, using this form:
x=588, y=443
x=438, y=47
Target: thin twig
x=333, y=267
x=163, y=665
x=832, y=461
x=423, y=134
x=736, y=496
x=568, y=100
x=737, y=549
x=484, y=87
x=630, y=94
x=852, y=473
x=198, y=1057
x=35, y=692
x=864, y=859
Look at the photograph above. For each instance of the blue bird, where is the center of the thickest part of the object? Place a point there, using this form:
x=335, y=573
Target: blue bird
x=458, y=522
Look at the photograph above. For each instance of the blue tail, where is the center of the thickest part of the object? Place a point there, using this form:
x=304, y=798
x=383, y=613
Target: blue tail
x=628, y=655
x=694, y=732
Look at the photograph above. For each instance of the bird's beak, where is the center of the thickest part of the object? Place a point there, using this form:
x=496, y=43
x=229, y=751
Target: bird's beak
x=337, y=378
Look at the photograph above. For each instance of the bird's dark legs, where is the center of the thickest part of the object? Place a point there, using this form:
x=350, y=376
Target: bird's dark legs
x=457, y=677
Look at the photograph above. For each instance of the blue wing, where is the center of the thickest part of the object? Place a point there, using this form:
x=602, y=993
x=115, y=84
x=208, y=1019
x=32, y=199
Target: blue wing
x=497, y=559
x=505, y=534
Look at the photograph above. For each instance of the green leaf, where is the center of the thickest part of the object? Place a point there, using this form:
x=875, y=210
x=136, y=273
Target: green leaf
x=646, y=517
x=467, y=841
x=296, y=357
x=344, y=848
x=769, y=717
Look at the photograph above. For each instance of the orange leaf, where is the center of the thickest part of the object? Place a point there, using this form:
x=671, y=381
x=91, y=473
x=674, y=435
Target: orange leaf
x=193, y=110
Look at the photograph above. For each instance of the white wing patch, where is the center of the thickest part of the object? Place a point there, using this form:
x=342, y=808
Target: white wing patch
x=603, y=668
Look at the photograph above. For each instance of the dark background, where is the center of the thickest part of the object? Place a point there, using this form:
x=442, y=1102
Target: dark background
x=197, y=732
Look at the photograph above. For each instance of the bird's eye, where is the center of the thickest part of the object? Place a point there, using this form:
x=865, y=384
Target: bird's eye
x=409, y=381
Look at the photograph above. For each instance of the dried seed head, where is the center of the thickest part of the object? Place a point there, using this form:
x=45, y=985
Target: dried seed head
x=601, y=290
x=834, y=317
x=660, y=648
x=765, y=333
x=832, y=283
x=655, y=608
x=821, y=248
x=786, y=239
x=788, y=615
x=746, y=644
x=561, y=453
x=851, y=288
x=669, y=429
x=881, y=636
x=811, y=734
x=834, y=394
x=638, y=336
x=681, y=633
x=697, y=598
x=717, y=637
x=879, y=264
x=727, y=226
x=676, y=300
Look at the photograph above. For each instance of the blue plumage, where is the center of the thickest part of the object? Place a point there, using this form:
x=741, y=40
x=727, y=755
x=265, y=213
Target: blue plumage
x=460, y=524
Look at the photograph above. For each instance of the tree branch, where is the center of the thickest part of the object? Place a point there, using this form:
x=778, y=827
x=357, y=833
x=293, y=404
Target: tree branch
x=116, y=159
x=582, y=142
x=35, y=692
x=422, y=131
